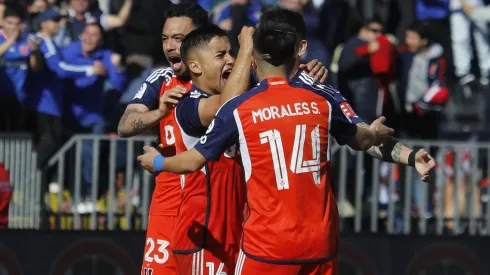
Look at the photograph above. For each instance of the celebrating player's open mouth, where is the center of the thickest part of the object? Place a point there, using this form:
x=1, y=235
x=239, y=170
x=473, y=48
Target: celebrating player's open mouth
x=175, y=62
x=225, y=74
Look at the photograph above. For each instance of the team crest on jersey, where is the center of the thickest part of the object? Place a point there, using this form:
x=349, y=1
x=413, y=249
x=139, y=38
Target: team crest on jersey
x=24, y=50
x=141, y=91
x=347, y=110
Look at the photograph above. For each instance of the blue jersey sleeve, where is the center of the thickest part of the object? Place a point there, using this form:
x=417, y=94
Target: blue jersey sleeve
x=221, y=134
x=62, y=69
x=149, y=92
x=343, y=124
x=187, y=113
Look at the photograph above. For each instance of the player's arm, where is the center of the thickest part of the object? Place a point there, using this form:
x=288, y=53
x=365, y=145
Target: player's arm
x=392, y=150
x=183, y=163
x=147, y=109
x=220, y=135
x=238, y=82
x=367, y=137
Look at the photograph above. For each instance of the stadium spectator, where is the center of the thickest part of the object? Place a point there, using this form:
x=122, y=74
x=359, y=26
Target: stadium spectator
x=423, y=79
x=87, y=92
x=424, y=85
x=15, y=62
x=355, y=75
x=461, y=34
x=45, y=91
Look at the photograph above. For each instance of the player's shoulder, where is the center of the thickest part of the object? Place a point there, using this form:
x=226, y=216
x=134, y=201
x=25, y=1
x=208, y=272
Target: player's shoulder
x=304, y=81
x=161, y=76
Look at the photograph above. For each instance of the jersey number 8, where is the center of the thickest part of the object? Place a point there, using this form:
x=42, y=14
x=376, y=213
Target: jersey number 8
x=298, y=165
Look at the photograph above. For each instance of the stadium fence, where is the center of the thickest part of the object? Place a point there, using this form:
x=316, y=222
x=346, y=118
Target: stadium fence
x=372, y=196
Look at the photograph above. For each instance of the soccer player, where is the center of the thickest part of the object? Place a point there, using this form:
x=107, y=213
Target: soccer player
x=283, y=130
x=149, y=107
x=208, y=228
x=146, y=110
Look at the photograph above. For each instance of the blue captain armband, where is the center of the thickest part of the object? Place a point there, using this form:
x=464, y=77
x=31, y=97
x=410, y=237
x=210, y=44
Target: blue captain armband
x=158, y=163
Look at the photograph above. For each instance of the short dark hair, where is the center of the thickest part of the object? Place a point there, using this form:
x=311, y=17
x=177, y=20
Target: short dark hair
x=14, y=10
x=277, y=40
x=199, y=37
x=199, y=16
x=420, y=28
x=281, y=15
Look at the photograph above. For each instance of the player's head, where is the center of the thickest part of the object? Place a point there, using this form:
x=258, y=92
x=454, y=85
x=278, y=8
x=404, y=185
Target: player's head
x=181, y=19
x=276, y=45
x=206, y=52
x=417, y=37
x=13, y=18
x=295, y=20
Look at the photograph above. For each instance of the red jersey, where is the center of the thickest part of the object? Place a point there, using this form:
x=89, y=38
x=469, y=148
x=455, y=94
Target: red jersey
x=211, y=212
x=166, y=197
x=283, y=130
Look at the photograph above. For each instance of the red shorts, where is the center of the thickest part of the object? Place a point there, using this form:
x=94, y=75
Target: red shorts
x=208, y=261
x=158, y=258
x=247, y=266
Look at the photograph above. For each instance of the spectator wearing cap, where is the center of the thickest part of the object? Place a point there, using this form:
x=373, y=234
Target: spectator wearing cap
x=87, y=92
x=14, y=64
x=45, y=91
x=79, y=15
x=422, y=78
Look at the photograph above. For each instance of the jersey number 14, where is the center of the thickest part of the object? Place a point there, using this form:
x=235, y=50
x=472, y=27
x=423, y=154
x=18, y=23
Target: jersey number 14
x=298, y=164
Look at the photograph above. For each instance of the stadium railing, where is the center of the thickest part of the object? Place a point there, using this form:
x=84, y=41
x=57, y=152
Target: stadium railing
x=19, y=159
x=120, y=191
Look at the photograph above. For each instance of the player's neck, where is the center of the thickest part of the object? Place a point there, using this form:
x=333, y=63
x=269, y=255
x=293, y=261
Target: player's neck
x=272, y=71
x=202, y=86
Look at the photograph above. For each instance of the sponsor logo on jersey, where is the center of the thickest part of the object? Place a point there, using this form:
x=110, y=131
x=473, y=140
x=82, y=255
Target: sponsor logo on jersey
x=141, y=91
x=347, y=110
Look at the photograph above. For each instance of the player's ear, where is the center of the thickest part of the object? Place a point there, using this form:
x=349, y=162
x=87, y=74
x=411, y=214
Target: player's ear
x=195, y=67
x=302, y=48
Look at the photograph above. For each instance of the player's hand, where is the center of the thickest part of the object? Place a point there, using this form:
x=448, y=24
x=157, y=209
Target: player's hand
x=170, y=98
x=246, y=38
x=315, y=69
x=380, y=130
x=146, y=160
x=99, y=69
x=424, y=164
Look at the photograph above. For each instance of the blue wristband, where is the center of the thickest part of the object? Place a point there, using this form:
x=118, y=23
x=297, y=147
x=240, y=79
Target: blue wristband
x=158, y=163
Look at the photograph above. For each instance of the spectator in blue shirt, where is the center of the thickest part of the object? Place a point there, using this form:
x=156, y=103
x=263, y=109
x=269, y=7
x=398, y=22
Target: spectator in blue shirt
x=46, y=92
x=14, y=64
x=87, y=92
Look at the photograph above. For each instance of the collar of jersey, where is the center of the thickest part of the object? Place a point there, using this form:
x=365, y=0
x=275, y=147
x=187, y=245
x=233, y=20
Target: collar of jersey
x=196, y=89
x=276, y=81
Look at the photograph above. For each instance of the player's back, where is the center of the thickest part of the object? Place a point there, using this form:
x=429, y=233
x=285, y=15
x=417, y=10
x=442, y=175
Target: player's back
x=283, y=132
x=166, y=197
x=213, y=198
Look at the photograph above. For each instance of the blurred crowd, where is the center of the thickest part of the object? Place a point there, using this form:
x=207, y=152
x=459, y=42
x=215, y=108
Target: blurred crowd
x=71, y=66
